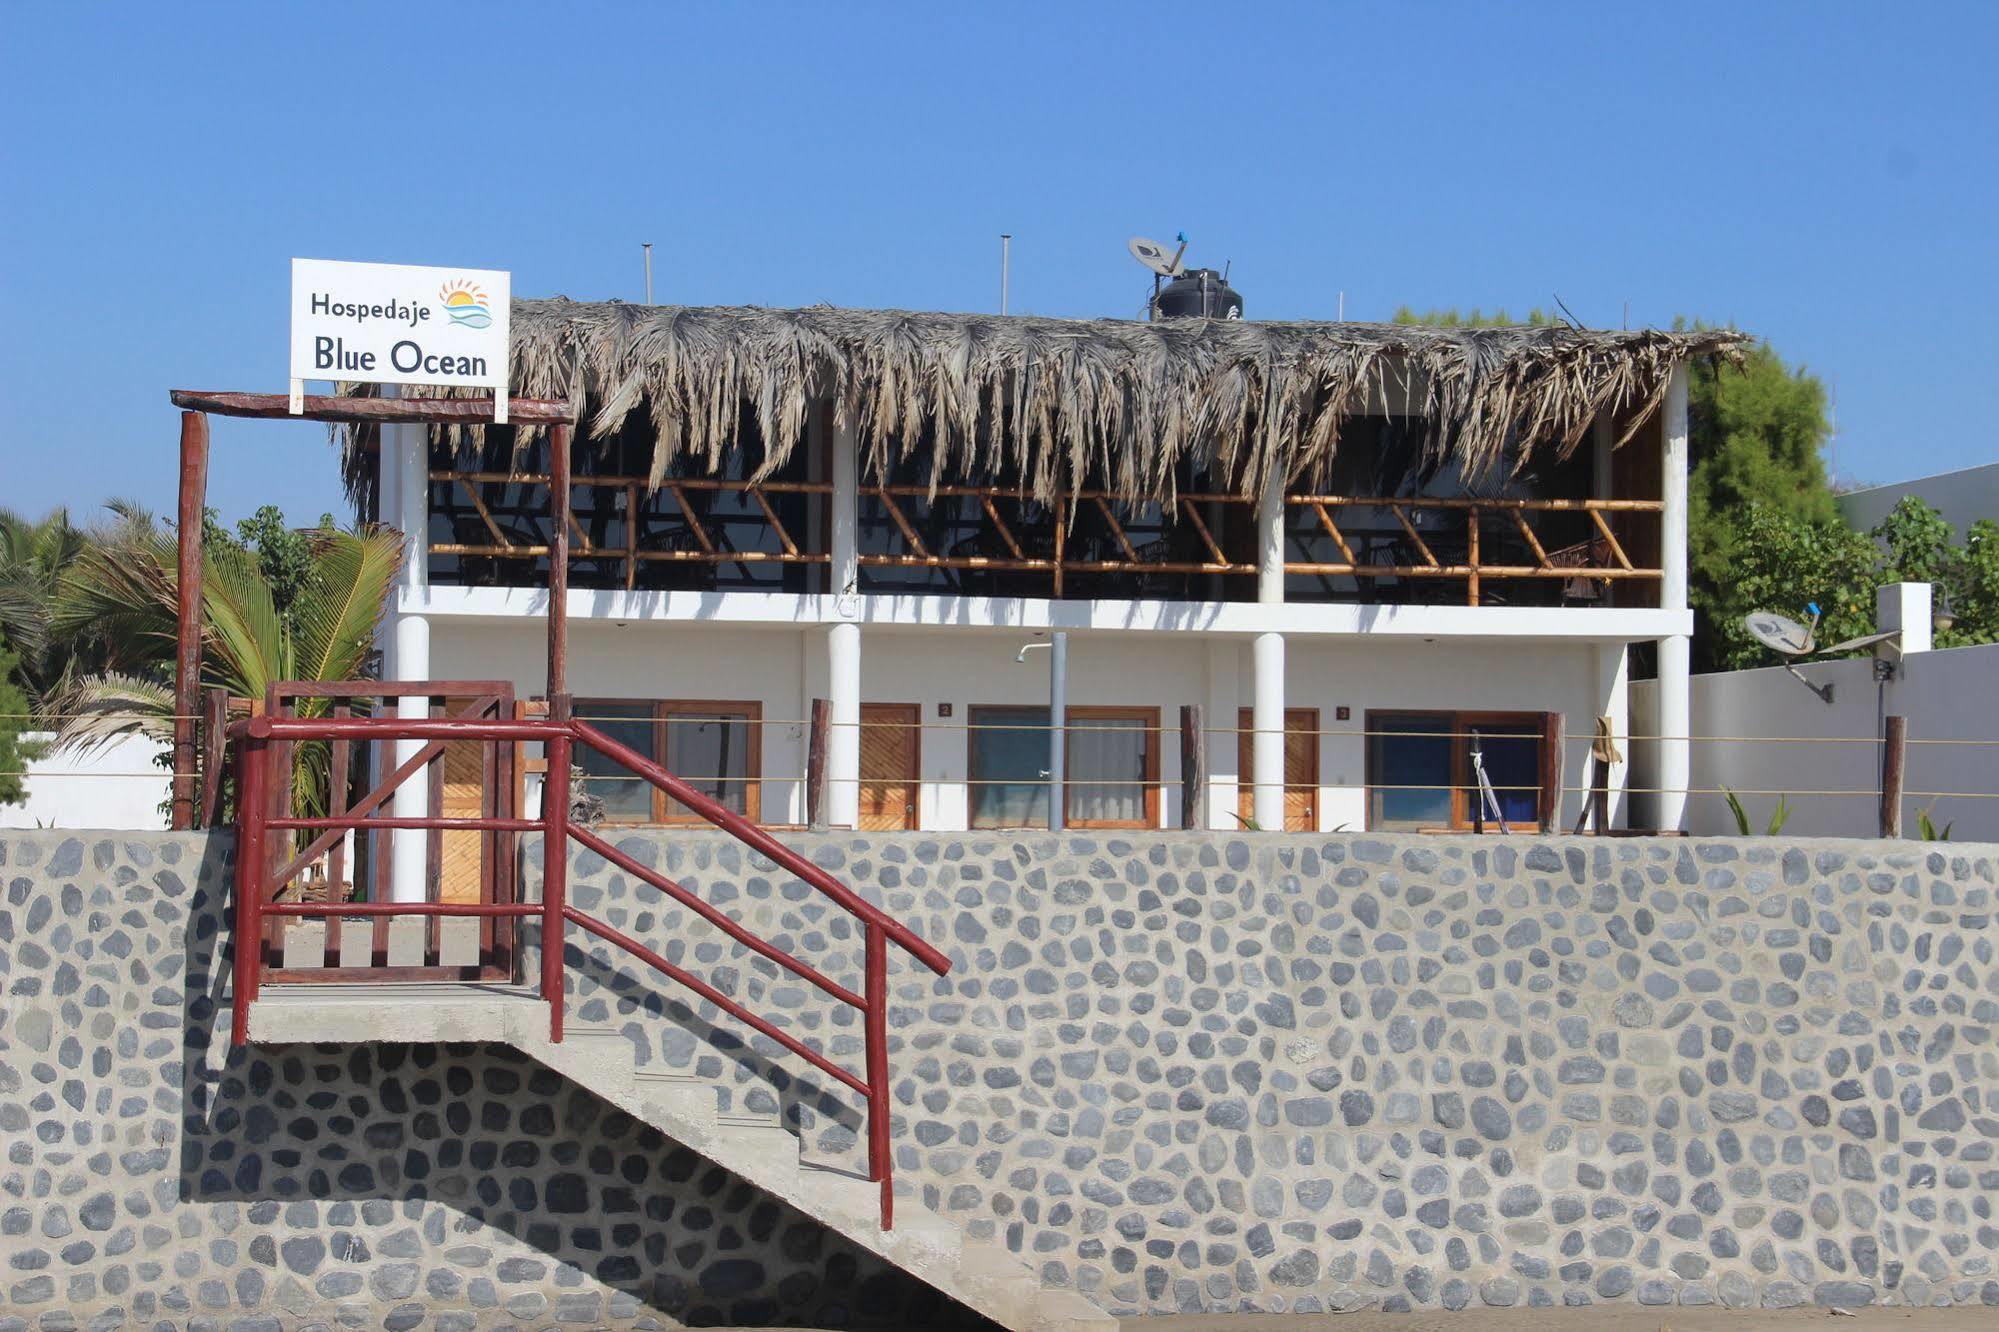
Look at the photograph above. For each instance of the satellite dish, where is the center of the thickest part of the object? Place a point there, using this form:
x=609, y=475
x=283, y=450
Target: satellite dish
x=1155, y=256
x=1779, y=632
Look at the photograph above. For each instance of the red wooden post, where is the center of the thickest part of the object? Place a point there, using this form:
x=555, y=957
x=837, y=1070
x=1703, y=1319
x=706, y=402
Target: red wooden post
x=874, y=1020
x=214, y=747
x=187, y=644
x=252, y=765
x=558, y=569
x=555, y=861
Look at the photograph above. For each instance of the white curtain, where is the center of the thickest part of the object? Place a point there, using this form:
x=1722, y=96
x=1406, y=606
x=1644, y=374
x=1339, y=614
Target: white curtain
x=1106, y=776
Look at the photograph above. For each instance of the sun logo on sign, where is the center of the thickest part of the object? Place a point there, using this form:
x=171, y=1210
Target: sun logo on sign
x=466, y=304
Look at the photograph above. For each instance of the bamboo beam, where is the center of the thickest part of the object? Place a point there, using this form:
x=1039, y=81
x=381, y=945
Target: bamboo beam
x=1616, y=547
x=693, y=522
x=1201, y=526
x=382, y=411
x=1006, y=533
x=1533, y=542
x=1333, y=531
x=908, y=533
x=1409, y=527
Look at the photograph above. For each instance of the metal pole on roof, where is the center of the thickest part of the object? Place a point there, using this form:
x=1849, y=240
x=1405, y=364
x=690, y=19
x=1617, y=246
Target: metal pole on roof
x=1006, y=256
x=647, y=247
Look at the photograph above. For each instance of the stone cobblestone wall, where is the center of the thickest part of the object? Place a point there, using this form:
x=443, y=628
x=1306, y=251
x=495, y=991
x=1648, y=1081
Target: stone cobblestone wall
x=1205, y=1071
x=155, y=1178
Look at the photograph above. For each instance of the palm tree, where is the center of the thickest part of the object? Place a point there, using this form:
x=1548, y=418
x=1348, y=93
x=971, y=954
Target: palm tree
x=33, y=555
x=124, y=589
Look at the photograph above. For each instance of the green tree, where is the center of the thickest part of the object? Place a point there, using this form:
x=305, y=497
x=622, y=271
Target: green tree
x=1918, y=546
x=1473, y=318
x=14, y=752
x=1786, y=563
x=1756, y=432
x=127, y=587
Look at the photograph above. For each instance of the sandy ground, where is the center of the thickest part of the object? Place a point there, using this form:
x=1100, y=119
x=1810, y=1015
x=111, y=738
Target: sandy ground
x=1593, y=1318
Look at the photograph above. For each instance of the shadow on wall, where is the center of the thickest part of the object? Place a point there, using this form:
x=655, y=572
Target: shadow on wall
x=469, y=1176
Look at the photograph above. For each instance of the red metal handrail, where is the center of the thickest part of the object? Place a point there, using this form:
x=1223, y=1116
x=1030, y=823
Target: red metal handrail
x=254, y=737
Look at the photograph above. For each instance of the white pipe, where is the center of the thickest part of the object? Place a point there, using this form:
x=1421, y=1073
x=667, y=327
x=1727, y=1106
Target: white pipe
x=1058, y=733
x=407, y=449
x=1006, y=263
x=1267, y=744
x=1675, y=683
x=843, y=740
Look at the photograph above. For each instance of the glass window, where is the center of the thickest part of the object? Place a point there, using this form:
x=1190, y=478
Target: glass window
x=1409, y=771
x=627, y=797
x=1111, y=777
x=1423, y=769
x=1009, y=767
x=1512, y=757
x=711, y=749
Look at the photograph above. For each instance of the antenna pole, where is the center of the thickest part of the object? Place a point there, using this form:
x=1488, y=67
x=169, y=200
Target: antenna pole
x=1343, y=307
x=647, y=247
x=1006, y=259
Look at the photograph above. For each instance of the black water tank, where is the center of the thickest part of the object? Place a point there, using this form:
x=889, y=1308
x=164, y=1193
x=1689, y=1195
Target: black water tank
x=1199, y=293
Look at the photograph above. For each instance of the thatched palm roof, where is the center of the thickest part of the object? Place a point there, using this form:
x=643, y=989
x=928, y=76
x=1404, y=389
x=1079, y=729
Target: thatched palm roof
x=1048, y=400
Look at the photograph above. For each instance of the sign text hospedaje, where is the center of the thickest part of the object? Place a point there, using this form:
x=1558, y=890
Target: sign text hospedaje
x=400, y=324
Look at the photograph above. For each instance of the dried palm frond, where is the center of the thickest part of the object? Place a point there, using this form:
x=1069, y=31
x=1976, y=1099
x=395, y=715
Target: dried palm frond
x=1046, y=401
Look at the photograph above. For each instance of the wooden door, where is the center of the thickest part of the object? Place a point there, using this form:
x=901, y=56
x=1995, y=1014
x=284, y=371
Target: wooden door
x=1301, y=768
x=891, y=750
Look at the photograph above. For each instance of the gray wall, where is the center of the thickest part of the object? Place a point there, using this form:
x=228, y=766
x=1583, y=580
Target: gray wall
x=1180, y=1071
x=154, y=1177
x=1274, y=1072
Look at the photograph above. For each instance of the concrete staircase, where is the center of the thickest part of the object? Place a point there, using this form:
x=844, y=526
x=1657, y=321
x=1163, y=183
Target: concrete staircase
x=980, y=1274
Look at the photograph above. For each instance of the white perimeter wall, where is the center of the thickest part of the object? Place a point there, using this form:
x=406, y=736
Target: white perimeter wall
x=1948, y=695
x=113, y=786
x=784, y=668
x=1962, y=497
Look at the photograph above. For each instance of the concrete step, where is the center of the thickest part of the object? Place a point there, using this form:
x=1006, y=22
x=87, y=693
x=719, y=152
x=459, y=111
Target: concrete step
x=1066, y=1311
x=412, y=1012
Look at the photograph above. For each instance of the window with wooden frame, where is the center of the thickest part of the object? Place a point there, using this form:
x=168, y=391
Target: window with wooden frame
x=713, y=746
x=1111, y=767
x=1421, y=772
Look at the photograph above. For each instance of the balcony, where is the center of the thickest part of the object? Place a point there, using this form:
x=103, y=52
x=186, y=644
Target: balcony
x=489, y=528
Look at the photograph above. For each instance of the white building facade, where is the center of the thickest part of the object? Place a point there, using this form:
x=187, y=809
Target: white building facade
x=1355, y=656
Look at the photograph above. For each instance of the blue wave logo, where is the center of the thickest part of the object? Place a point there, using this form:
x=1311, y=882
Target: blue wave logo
x=465, y=304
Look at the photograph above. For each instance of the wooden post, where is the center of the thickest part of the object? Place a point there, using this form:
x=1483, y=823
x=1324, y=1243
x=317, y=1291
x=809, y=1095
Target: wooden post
x=1193, y=767
x=1894, y=752
x=1599, y=796
x=815, y=764
x=1551, y=772
x=1471, y=558
x=214, y=722
x=558, y=571
x=187, y=645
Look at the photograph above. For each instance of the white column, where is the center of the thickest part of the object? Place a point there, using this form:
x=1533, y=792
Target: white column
x=843, y=740
x=1613, y=691
x=846, y=478
x=1267, y=708
x=1675, y=697
x=843, y=641
x=1904, y=608
x=1224, y=706
x=406, y=451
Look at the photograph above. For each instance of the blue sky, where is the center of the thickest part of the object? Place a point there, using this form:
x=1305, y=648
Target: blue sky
x=1822, y=175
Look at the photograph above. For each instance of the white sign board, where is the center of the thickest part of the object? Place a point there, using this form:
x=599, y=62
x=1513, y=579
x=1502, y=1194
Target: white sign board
x=400, y=324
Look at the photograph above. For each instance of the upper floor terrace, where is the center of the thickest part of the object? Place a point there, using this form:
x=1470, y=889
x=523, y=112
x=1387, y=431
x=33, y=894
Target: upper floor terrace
x=905, y=455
